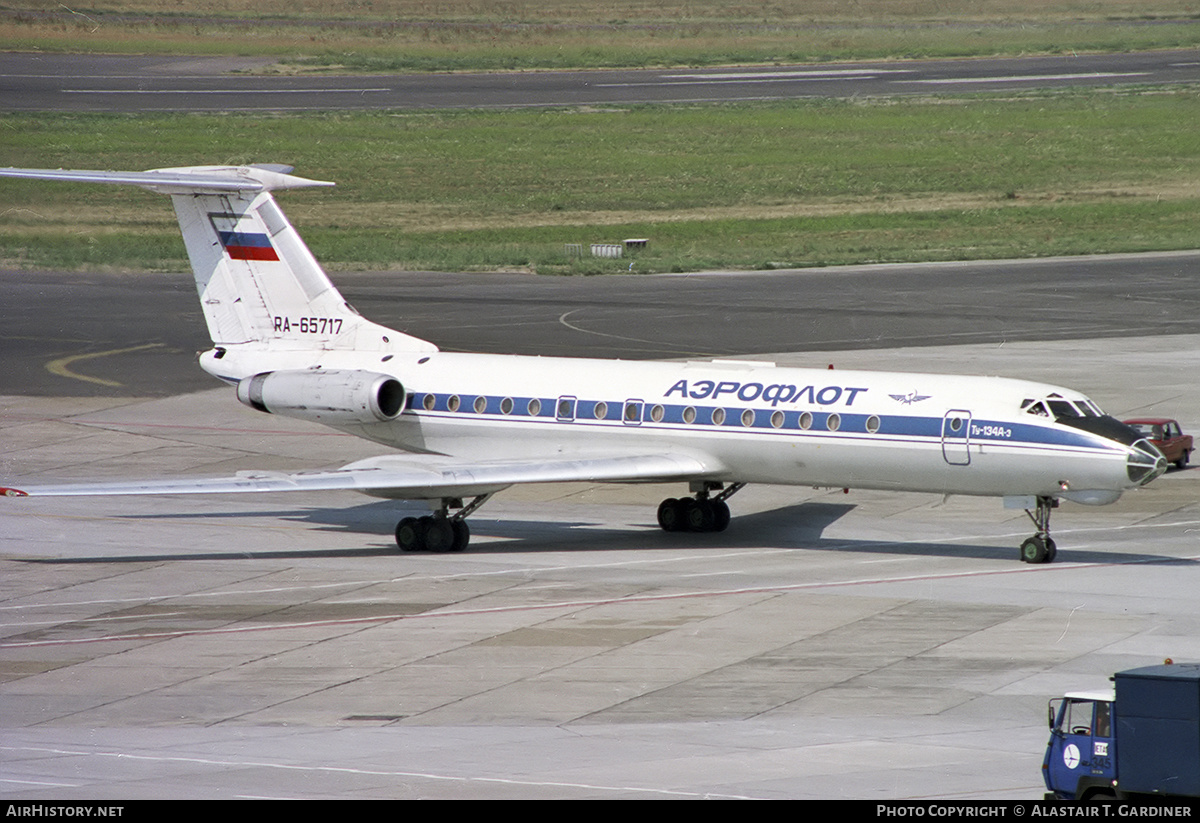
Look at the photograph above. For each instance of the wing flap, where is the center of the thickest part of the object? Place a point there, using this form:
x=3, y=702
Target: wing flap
x=409, y=477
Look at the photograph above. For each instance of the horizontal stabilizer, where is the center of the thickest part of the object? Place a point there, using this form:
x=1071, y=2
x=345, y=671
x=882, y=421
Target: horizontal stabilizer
x=185, y=180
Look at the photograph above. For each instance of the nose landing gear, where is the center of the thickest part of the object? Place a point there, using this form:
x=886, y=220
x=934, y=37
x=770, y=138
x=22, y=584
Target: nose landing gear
x=1040, y=548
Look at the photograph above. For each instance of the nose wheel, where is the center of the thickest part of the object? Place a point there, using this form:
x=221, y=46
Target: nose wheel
x=1040, y=548
x=440, y=532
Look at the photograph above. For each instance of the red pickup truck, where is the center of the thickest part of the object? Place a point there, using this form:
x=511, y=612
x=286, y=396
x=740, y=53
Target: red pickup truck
x=1167, y=436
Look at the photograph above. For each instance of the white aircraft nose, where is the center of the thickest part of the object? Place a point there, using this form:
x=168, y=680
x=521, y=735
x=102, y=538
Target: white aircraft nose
x=1144, y=463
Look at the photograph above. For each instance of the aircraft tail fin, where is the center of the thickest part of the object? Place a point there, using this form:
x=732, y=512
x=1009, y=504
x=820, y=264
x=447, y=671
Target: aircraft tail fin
x=257, y=280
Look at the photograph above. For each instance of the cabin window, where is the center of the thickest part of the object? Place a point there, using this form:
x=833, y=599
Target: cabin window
x=777, y=420
x=453, y=403
x=534, y=407
x=600, y=411
x=689, y=415
x=506, y=405
x=429, y=401
x=748, y=418
x=657, y=413
x=833, y=422
x=718, y=417
x=873, y=423
x=806, y=421
x=480, y=404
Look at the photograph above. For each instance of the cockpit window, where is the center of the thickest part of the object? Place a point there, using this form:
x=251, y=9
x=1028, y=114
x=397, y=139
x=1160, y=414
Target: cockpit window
x=1035, y=407
x=1061, y=409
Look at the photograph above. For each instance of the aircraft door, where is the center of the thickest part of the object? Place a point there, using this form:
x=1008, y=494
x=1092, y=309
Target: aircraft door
x=956, y=437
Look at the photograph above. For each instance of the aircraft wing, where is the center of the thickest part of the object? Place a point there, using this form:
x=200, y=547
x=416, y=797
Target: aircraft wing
x=411, y=477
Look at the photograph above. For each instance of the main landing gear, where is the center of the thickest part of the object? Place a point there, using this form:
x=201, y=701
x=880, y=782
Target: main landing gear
x=1040, y=548
x=440, y=532
x=700, y=513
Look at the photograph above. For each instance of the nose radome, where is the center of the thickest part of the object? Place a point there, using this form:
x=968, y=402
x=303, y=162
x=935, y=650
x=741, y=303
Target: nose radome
x=1144, y=463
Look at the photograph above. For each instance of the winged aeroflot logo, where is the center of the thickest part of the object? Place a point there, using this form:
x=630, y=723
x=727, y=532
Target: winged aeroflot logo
x=910, y=398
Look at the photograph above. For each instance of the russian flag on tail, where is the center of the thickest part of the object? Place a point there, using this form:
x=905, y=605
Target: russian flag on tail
x=241, y=245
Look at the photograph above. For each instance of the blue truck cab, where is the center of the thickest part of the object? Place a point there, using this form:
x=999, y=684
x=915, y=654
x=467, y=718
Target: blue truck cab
x=1140, y=739
x=1080, y=759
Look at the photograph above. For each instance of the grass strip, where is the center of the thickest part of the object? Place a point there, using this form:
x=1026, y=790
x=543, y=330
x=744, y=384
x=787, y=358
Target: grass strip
x=732, y=186
x=468, y=35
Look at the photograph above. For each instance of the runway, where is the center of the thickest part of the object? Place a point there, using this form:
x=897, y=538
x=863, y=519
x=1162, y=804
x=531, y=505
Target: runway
x=860, y=645
x=82, y=83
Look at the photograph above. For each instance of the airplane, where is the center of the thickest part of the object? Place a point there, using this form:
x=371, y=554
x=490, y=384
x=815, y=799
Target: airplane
x=466, y=426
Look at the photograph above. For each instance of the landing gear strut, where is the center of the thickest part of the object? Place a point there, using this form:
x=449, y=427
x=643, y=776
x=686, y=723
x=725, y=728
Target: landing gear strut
x=700, y=513
x=1040, y=548
x=440, y=532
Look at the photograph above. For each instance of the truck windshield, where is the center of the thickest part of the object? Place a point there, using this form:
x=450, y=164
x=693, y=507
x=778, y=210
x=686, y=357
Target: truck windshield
x=1149, y=430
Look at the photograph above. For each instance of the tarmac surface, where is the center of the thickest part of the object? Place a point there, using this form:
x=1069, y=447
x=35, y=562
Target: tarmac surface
x=111, y=83
x=75, y=334
x=828, y=645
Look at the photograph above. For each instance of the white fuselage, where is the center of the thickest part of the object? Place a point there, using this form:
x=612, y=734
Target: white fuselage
x=748, y=422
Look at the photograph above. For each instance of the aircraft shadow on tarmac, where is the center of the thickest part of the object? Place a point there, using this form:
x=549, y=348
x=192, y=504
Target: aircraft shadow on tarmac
x=798, y=527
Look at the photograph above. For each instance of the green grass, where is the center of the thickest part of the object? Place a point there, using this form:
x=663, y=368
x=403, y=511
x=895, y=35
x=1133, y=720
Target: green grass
x=475, y=35
x=731, y=186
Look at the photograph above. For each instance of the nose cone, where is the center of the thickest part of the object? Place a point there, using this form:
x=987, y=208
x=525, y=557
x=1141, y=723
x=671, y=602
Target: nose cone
x=1144, y=463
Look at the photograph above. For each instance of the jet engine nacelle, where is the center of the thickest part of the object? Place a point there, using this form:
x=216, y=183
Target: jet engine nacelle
x=330, y=397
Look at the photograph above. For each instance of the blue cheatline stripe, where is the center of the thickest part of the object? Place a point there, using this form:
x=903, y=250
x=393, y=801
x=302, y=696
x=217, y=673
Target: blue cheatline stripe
x=891, y=427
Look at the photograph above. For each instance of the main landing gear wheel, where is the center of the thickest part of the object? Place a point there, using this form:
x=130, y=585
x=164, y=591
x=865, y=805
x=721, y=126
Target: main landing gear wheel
x=440, y=532
x=690, y=514
x=1040, y=548
x=697, y=514
x=432, y=534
